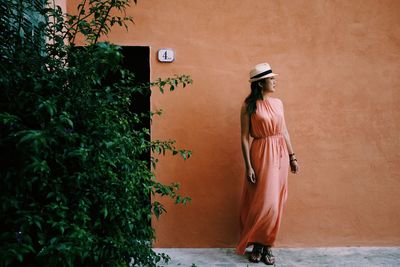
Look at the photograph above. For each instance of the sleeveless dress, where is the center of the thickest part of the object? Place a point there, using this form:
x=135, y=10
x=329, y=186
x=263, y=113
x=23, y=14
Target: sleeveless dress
x=262, y=203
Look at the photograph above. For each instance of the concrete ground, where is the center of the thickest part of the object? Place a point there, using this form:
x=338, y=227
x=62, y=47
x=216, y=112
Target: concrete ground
x=343, y=256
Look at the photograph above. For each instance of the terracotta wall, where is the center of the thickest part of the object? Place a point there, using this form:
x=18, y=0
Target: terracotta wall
x=339, y=65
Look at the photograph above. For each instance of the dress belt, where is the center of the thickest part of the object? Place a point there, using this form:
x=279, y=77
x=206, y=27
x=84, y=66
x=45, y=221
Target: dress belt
x=280, y=147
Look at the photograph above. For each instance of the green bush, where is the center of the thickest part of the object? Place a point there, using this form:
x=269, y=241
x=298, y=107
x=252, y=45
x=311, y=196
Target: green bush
x=74, y=189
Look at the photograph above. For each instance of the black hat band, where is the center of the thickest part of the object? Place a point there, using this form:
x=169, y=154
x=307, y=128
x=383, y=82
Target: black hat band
x=261, y=74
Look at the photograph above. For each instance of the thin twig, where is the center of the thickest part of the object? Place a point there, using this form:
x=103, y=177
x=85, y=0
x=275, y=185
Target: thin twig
x=103, y=22
x=78, y=19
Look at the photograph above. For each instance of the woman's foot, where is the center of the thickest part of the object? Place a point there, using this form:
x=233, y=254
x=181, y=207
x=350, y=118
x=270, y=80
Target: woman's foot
x=256, y=254
x=267, y=256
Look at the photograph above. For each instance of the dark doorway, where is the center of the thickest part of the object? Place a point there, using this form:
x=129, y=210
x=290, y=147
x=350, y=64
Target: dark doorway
x=137, y=60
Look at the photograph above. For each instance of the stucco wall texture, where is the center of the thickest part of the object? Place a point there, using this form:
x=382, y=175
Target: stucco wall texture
x=339, y=66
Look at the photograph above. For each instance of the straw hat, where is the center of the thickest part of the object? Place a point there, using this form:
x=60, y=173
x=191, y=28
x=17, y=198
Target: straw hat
x=261, y=71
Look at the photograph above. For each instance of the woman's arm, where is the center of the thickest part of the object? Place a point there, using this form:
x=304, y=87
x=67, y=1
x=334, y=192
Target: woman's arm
x=293, y=161
x=245, y=140
x=287, y=139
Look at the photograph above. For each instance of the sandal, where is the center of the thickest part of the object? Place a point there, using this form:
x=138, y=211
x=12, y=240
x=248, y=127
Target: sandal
x=267, y=256
x=256, y=254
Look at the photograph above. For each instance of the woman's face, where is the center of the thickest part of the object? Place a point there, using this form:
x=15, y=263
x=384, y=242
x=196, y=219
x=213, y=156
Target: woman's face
x=269, y=84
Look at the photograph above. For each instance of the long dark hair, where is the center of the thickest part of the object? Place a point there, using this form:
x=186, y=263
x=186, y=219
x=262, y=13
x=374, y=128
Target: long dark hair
x=255, y=94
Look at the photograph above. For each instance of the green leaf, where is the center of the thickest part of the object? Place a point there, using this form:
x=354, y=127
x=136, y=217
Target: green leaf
x=20, y=257
x=105, y=211
x=29, y=135
x=8, y=119
x=39, y=225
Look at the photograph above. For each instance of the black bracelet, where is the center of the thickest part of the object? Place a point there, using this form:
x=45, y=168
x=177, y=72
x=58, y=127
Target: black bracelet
x=293, y=160
x=291, y=155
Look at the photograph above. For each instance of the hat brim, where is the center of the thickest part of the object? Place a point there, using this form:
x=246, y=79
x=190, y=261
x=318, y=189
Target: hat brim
x=263, y=77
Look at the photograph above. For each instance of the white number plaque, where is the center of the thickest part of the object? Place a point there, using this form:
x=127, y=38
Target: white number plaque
x=166, y=55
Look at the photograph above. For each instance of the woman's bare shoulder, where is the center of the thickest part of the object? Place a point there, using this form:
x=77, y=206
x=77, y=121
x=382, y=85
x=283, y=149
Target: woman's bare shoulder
x=277, y=100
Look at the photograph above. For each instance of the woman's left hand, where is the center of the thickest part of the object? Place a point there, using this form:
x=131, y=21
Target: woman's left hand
x=294, y=167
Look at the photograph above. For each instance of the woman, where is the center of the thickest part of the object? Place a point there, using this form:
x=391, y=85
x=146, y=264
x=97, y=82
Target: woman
x=267, y=162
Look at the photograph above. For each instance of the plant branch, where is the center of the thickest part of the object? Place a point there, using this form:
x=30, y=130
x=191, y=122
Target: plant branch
x=78, y=19
x=103, y=22
x=76, y=23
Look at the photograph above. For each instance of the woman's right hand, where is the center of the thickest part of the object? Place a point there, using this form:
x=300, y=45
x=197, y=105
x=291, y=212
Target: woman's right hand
x=251, y=176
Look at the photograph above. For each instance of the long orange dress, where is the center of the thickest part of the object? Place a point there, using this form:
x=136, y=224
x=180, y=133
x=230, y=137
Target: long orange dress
x=262, y=202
